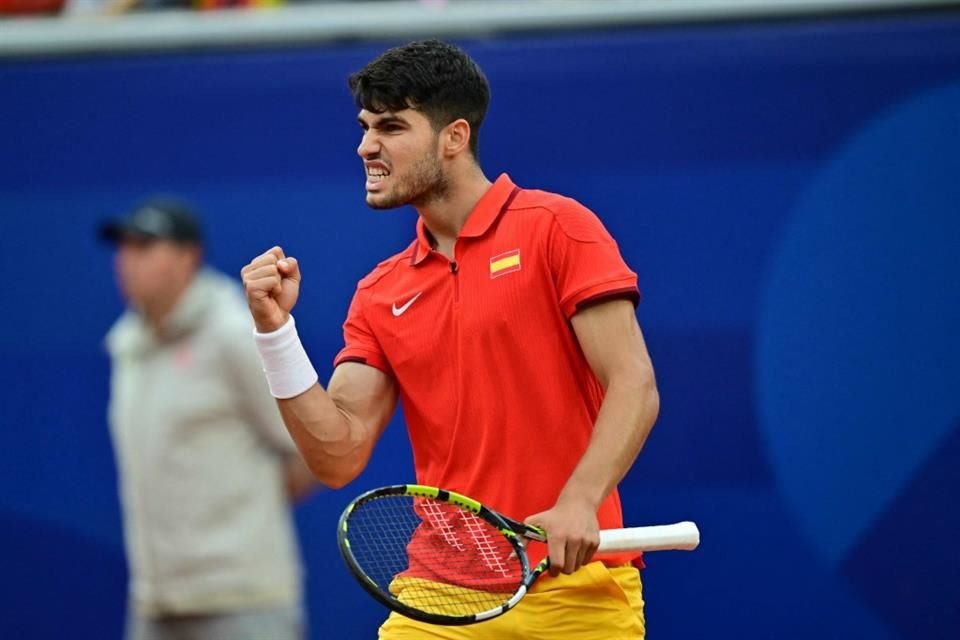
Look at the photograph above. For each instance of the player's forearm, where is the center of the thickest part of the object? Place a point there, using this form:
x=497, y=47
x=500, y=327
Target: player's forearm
x=334, y=446
x=627, y=415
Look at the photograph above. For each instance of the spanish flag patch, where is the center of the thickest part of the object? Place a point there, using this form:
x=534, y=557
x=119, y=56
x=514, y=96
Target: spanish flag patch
x=504, y=263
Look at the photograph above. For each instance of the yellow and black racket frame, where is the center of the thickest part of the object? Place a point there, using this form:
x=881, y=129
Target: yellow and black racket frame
x=510, y=529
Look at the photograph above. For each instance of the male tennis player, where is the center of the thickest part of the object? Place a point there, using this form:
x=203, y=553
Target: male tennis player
x=507, y=328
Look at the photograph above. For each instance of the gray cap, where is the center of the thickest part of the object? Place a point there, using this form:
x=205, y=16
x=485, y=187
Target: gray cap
x=160, y=219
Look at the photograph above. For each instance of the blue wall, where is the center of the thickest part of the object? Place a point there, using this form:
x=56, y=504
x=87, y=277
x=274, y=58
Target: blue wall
x=789, y=194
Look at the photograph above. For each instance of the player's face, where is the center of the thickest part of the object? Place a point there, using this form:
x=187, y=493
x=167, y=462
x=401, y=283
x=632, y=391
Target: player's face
x=400, y=157
x=151, y=271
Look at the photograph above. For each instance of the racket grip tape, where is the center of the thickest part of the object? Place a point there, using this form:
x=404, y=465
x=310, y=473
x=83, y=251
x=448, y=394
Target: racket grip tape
x=682, y=536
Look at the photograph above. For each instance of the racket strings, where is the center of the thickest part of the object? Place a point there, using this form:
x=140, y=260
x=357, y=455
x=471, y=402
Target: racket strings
x=433, y=556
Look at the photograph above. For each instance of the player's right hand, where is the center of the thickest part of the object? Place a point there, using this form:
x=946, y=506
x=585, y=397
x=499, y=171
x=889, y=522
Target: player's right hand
x=272, y=284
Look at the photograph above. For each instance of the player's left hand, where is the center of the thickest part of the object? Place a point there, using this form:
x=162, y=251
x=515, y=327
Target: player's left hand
x=573, y=534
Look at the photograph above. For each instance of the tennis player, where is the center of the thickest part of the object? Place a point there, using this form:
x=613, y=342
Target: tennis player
x=507, y=328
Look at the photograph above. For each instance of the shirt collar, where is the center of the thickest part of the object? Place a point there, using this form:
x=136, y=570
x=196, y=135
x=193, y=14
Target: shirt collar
x=485, y=212
x=422, y=247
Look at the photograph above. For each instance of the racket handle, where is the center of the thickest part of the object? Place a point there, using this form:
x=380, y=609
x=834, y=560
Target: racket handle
x=684, y=536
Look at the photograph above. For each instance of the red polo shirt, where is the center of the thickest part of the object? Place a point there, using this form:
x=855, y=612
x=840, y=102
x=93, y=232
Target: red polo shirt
x=498, y=397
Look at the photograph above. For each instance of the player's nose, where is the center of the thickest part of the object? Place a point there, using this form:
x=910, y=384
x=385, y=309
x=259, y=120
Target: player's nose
x=369, y=147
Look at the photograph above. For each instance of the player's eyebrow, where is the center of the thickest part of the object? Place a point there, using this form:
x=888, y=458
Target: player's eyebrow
x=381, y=120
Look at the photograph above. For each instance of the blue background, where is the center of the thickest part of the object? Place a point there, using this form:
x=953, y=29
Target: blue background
x=788, y=193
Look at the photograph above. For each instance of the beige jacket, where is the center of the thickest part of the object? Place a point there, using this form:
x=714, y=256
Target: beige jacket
x=200, y=448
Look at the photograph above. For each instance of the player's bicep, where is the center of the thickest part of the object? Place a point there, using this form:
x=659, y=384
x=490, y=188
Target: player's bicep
x=612, y=342
x=365, y=395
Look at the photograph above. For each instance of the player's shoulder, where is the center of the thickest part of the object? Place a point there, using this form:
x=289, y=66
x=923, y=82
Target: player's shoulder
x=385, y=267
x=546, y=202
x=572, y=217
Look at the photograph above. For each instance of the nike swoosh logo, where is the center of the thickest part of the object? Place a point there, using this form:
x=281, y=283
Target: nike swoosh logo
x=399, y=311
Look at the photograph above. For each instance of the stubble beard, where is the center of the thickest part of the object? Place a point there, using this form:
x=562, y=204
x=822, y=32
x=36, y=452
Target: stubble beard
x=425, y=183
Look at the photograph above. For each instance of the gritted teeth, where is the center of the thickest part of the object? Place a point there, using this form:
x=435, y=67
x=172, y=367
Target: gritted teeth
x=377, y=172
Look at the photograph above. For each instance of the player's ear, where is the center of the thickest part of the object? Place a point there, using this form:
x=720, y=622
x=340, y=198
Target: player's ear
x=455, y=138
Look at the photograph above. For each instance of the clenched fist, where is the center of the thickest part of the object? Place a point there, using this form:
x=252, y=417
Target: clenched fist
x=272, y=284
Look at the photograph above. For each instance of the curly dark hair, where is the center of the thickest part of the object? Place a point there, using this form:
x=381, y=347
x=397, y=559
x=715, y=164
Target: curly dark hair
x=436, y=78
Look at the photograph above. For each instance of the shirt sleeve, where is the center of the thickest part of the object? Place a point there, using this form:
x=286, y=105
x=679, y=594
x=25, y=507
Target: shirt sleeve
x=360, y=343
x=586, y=262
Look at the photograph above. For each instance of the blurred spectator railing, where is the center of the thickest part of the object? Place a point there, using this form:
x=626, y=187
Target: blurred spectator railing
x=93, y=26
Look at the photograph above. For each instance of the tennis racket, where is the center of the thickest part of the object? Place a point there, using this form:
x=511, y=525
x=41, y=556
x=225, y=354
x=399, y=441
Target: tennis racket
x=443, y=558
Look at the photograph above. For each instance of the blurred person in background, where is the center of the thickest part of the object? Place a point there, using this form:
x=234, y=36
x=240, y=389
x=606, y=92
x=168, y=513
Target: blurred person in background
x=30, y=7
x=207, y=470
x=75, y=8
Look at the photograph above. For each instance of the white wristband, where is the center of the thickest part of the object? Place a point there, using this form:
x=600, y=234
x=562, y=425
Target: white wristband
x=288, y=369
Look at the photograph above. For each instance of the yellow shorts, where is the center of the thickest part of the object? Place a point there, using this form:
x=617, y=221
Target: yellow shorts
x=595, y=603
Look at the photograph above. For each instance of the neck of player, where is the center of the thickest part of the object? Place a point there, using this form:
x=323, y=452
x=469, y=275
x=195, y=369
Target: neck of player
x=444, y=217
